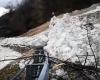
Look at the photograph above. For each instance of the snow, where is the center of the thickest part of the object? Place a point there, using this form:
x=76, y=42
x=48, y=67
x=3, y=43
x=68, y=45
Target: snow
x=92, y=11
x=38, y=40
x=60, y=72
x=3, y=11
x=6, y=53
x=65, y=38
x=24, y=62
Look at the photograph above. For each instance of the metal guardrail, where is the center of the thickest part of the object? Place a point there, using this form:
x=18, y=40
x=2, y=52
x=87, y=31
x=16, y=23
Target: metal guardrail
x=17, y=76
x=38, y=70
x=45, y=71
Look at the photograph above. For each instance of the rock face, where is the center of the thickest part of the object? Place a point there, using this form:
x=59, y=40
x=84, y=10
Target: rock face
x=32, y=13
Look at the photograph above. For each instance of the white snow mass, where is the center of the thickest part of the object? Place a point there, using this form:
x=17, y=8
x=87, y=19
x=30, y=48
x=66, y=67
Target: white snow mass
x=7, y=53
x=67, y=38
x=3, y=11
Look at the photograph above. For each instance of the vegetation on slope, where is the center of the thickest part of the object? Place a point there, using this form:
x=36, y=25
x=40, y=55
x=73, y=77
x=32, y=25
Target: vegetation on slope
x=32, y=13
x=8, y=72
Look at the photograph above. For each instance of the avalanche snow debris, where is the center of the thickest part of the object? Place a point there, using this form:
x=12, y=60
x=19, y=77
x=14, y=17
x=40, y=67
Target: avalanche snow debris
x=7, y=53
x=65, y=38
x=24, y=62
x=39, y=40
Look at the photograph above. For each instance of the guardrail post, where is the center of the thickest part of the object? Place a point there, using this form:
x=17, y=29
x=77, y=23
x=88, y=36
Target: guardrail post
x=33, y=71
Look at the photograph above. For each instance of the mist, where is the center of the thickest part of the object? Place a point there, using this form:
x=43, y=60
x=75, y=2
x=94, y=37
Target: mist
x=4, y=3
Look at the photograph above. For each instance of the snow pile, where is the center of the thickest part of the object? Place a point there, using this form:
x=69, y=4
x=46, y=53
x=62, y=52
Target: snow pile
x=60, y=72
x=6, y=53
x=38, y=40
x=67, y=38
x=24, y=62
x=3, y=11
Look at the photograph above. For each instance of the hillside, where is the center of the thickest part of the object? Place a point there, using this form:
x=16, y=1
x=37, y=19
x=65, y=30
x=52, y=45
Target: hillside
x=66, y=37
x=28, y=15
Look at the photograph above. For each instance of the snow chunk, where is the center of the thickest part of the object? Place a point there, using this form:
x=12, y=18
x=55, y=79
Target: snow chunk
x=60, y=72
x=24, y=62
x=66, y=38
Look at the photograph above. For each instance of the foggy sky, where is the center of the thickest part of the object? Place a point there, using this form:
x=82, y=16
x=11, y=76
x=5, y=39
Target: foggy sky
x=4, y=3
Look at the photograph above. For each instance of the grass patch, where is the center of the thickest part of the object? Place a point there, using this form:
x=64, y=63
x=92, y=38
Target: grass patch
x=8, y=72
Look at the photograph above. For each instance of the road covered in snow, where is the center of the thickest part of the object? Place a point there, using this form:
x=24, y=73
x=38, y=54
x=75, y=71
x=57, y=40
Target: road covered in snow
x=65, y=38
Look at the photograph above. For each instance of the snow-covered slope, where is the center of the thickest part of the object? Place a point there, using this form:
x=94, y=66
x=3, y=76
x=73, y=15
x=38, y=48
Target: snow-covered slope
x=3, y=11
x=66, y=36
x=12, y=3
x=38, y=40
x=92, y=11
x=7, y=53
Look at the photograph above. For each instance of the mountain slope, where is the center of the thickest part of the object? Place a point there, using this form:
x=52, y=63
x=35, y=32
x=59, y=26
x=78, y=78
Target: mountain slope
x=64, y=38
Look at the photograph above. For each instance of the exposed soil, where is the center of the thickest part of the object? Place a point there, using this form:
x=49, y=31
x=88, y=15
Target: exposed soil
x=8, y=72
x=37, y=30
